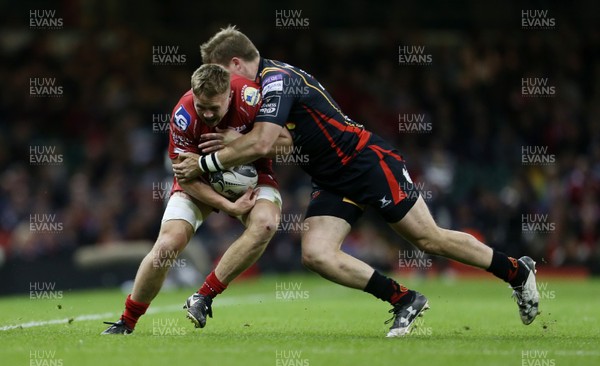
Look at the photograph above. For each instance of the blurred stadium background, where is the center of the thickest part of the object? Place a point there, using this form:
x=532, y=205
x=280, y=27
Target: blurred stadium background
x=83, y=162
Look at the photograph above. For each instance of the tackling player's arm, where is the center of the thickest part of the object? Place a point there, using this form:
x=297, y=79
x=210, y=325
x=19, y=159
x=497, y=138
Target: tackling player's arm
x=258, y=143
x=283, y=141
x=264, y=140
x=255, y=144
x=218, y=140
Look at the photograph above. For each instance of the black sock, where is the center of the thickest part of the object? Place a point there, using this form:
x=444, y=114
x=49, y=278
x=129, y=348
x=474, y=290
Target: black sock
x=387, y=289
x=507, y=269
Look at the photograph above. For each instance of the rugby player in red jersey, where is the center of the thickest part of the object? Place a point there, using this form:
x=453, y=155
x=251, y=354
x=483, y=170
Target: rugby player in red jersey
x=350, y=168
x=214, y=101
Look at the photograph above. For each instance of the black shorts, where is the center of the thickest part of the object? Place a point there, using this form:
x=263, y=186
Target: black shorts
x=326, y=203
x=383, y=183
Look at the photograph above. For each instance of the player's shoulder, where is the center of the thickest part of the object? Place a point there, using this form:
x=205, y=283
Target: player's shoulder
x=273, y=75
x=275, y=70
x=186, y=99
x=186, y=104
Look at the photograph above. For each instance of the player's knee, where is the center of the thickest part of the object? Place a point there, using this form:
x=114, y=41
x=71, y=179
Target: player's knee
x=170, y=244
x=426, y=245
x=432, y=242
x=315, y=259
x=263, y=226
x=430, y=246
x=310, y=261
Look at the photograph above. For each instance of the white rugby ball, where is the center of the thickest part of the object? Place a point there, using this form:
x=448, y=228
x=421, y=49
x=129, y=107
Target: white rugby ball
x=235, y=181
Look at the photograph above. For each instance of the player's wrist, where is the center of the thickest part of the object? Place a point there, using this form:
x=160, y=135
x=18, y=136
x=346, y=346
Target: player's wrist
x=210, y=163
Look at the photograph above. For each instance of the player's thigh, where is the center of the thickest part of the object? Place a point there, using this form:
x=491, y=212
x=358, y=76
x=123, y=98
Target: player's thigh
x=182, y=217
x=417, y=226
x=323, y=234
x=329, y=218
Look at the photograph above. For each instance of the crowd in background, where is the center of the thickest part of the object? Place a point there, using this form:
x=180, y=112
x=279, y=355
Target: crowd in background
x=107, y=127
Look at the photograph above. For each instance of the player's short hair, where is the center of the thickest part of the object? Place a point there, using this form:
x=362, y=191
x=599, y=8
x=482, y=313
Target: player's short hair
x=226, y=44
x=210, y=80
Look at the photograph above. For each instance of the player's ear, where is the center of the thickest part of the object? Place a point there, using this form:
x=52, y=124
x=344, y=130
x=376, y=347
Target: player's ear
x=236, y=63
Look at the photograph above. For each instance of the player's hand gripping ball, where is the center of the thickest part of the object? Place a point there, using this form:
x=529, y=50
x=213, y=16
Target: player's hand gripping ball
x=234, y=182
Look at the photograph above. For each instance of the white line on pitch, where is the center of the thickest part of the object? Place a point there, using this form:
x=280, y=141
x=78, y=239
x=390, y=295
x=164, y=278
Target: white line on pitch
x=227, y=301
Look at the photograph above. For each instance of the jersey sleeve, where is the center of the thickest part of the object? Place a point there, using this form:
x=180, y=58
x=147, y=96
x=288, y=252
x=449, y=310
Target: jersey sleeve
x=181, y=137
x=276, y=105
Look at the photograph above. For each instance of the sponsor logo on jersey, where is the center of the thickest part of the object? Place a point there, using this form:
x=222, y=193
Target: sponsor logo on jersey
x=270, y=107
x=182, y=118
x=275, y=86
x=181, y=140
x=272, y=84
x=272, y=78
x=250, y=95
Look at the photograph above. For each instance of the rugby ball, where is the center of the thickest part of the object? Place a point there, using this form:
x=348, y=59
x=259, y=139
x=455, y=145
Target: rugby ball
x=234, y=182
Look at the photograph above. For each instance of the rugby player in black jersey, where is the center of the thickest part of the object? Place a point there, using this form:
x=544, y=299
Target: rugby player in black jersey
x=350, y=169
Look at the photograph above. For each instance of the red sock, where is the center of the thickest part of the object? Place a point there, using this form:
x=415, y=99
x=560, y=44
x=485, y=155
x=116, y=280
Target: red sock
x=133, y=311
x=212, y=286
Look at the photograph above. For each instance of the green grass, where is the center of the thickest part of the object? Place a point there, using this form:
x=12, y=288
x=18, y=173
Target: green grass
x=471, y=322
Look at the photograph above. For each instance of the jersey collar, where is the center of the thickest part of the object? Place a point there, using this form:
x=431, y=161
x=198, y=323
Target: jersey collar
x=261, y=66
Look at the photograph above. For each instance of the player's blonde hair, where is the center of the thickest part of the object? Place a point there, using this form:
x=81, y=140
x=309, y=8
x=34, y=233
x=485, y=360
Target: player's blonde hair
x=210, y=80
x=226, y=44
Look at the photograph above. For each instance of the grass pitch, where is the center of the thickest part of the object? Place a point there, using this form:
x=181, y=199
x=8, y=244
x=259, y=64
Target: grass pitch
x=307, y=321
